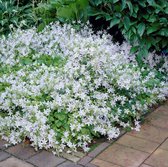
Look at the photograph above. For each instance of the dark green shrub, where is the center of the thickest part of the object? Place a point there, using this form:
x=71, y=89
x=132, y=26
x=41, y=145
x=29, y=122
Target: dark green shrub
x=144, y=23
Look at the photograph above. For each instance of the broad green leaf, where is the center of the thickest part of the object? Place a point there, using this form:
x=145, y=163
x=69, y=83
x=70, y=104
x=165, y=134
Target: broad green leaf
x=123, y=4
x=113, y=22
x=151, y=2
x=152, y=18
x=130, y=7
x=163, y=32
x=141, y=29
x=126, y=22
x=142, y=3
x=134, y=49
x=114, y=1
x=152, y=29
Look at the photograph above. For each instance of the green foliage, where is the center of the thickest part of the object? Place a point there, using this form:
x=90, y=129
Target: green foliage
x=13, y=15
x=62, y=10
x=144, y=23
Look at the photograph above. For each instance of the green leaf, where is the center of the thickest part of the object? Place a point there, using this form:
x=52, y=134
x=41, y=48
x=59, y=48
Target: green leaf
x=41, y=27
x=163, y=32
x=141, y=29
x=126, y=22
x=142, y=3
x=58, y=124
x=114, y=21
x=151, y=2
x=114, y=1
x=134, y=49
x=130, y=7
x=108, y=17
x=123, y=4
x=61, y=117
x=136, y=8
x=152, y=18
x=152, y=29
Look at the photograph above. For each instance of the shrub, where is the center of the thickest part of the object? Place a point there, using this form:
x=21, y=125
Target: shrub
x=61, y=88
x=143, y=23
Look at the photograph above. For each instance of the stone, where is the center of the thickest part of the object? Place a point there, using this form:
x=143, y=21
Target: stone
x=2, y=144
x=137, y=143
x=122, y=155
x=164, y=146
x=69, y=164
x=14, y=162
x=91, y=165
x=101, y=163
x=4, y=155
x=144, y=165
x=79, y=154
x=84, y=161
x=158, y=120
x=150, y=133
x=70, y=157
x=98, y=149
x=158, y=159
x=22, y=151
x=45, y=159
x=162, y=110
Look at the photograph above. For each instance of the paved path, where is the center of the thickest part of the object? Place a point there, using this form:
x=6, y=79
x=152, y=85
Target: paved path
x=147, y=148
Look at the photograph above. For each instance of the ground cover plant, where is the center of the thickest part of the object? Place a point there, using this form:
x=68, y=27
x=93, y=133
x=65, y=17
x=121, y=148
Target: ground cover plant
x=61, y=87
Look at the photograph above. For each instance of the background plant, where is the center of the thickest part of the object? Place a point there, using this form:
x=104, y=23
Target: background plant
x=62, y=10
x=143, y=23
x=16, y=13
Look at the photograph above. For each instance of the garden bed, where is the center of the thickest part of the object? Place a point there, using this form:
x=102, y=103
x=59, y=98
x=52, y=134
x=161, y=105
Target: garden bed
x=61, y=88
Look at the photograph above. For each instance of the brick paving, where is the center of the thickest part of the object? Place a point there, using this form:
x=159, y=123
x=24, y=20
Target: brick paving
x=147, y=148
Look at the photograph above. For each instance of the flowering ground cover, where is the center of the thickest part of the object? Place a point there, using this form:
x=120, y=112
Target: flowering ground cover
x=61, y=88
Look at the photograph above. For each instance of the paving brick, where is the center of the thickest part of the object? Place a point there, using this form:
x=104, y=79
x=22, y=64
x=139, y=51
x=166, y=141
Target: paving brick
x=151, y=133
x=45, y=159
x=165, y=145
x=122, y=155
x=79, y=154
x=70, y=157
x=144, y=165
x=69, y=164
x=102, y=163
x=85, y=160
x=98, y=149
x=162, y=110
x=4, y=155
x=14, y=162
x=22, y=151
x=137, y=143
x=158, y=159
x=90, y=165
x=158, y=120
x=2, y=144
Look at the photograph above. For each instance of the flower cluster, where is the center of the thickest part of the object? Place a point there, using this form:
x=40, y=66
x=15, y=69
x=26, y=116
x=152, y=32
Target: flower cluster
x=61, y=88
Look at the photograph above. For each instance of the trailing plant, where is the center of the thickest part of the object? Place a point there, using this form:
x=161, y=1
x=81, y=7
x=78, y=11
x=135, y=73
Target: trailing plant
x=61, y=87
